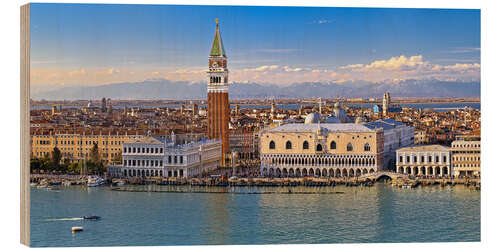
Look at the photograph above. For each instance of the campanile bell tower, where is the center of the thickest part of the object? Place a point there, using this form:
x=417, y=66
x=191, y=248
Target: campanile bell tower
x=218, y=87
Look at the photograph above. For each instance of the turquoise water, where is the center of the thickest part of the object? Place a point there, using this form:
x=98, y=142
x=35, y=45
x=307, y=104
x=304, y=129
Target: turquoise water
x=252, y=215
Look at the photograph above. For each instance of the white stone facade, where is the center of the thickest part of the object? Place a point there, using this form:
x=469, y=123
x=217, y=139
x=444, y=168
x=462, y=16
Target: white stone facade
x=156, y=157
x=467, y=156
x=372, y=148
x=429, y=160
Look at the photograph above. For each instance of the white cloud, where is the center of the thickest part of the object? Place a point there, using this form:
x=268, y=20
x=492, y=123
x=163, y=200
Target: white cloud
x=393, y=69
x=352, y=66
x=288, y=69
x=397, y=69
x=263, y=68
x=395, y=63
x=463, y=67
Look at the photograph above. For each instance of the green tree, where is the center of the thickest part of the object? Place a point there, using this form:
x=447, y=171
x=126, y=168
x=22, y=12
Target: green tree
x=35, y=164
x=64, y=167
x=56, y=156
x=74, y=168
x=94, y=154
x=45, y=163
x=95, y=166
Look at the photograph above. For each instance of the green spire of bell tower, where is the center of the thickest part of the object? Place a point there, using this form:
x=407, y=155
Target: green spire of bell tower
x=217, y=46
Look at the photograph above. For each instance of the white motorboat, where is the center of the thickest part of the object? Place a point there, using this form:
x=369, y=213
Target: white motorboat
x=94, y=181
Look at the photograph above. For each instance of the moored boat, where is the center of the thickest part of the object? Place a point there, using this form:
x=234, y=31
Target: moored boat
x=95, y=181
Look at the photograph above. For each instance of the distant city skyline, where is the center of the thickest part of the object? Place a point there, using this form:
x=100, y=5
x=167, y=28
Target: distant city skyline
x=77, y=45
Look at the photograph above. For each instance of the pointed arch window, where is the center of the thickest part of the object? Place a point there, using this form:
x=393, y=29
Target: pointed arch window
x=349, y=147
x=319, y=147
x=367, y=147
x=333, y=145
x=305, y=145
x=272, y=145
x=288, y=145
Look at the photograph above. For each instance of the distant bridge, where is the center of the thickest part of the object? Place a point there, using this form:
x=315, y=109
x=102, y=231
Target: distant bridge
x=379, y=174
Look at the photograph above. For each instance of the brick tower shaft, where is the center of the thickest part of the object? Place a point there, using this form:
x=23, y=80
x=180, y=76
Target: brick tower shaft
x=217, y=93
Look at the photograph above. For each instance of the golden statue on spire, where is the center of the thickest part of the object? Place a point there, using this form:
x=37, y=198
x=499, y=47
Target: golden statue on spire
x=217, y=20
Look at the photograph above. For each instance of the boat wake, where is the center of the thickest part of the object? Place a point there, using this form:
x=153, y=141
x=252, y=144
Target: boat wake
x=64, y=219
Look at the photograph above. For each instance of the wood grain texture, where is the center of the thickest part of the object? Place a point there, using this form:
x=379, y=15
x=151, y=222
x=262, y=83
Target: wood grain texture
x=25, y=139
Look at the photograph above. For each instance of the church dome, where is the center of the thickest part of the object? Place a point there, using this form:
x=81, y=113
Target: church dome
x=312, y=118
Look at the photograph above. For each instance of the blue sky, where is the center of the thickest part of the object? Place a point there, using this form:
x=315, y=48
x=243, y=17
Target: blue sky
x=99, y=44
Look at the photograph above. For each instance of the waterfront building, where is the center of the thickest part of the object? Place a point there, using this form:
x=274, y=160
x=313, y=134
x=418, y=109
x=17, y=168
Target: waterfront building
x=76, y=147
x=218, y=87
x=466, y=156
x=428, y=160
x=332, y=149
x=141, y=157
x=153, y=156
x=342, y=149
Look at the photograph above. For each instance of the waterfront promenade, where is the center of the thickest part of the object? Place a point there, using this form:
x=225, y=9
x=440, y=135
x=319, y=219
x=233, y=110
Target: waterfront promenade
x=395, y=179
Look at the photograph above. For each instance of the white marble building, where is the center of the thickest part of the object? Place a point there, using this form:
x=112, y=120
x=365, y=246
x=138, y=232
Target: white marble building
x=152, y=156
x=428, y=160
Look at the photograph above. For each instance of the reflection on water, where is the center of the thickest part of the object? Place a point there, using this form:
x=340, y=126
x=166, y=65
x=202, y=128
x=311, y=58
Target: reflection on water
x=164, y=215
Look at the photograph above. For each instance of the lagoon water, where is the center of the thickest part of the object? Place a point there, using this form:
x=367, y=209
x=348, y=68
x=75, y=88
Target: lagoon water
x=253, y=215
